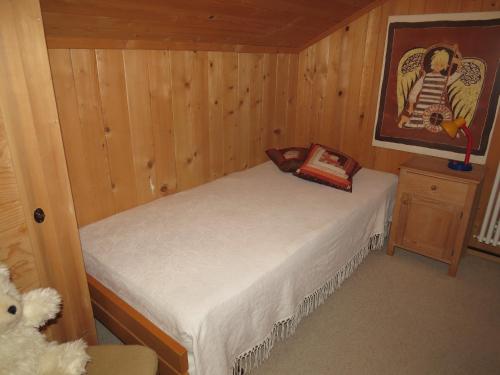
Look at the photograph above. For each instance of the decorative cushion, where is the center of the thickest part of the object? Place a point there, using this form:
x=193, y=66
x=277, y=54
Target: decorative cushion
x=288, y=159
x=330, y=167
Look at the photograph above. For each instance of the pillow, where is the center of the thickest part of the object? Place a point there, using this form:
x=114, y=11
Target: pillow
x=330, y=167
x=288, y=159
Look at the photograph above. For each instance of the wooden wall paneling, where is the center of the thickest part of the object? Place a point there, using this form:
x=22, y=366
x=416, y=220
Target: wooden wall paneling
x=77, y=93
x=256, y=131
x=343, y=85
x=279, y=127
x=181, y=83
x=32, y=127
x=73, y=136
x=244, y=108
x=114, y=107
x=216, y=114
x=443, y=6
x=369, y=79
x=490, y=5
x=15, y=246
x=329, y=128
x=100, y=202
x=352, y=122
x=190, y=107
x=154, y=122
x=201, y=154
x=291, y=110
x=268, y=102
x=141, y=124
x=230, y=112
x=160, y=86
x=470, y=5
x=411, y=7
x=305, y=88
x=319, y=88
x=385, y=159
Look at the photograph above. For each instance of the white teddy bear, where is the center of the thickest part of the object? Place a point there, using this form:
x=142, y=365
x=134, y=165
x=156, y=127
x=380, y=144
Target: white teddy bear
x=23, y=349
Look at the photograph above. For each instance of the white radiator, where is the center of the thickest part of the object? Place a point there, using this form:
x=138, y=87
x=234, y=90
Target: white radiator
x=490, y=229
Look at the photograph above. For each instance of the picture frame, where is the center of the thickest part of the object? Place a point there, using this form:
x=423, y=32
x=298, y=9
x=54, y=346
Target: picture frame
x=435, y=71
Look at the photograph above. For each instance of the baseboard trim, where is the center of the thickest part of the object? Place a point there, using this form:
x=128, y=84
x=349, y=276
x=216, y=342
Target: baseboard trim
x=483, y=254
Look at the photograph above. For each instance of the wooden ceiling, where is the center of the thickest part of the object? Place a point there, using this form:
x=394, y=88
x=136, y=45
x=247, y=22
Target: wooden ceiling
x=241, y=25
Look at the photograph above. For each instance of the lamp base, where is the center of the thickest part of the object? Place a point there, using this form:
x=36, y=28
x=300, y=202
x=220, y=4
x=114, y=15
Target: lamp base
x=459, y=166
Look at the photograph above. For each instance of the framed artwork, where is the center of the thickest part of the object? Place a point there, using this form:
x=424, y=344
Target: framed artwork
x=438, y=68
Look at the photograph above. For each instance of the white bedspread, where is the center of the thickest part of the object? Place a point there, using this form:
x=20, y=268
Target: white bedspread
x=217, y=266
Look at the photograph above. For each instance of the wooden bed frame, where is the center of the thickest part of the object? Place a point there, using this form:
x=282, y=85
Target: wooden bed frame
x=132, y=327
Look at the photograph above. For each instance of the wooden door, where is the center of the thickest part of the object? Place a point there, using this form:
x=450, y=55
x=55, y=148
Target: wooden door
x=428, y=226
x=34, y=175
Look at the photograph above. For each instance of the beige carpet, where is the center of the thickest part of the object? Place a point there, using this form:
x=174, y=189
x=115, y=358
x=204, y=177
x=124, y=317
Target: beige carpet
x=400, y=315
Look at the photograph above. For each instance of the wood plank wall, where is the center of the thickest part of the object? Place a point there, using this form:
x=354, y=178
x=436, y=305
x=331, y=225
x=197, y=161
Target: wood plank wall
x=15, y=245
x=140, y=124
x=338, y=88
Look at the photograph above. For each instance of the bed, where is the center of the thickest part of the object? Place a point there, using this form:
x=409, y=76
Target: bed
x=213, y=276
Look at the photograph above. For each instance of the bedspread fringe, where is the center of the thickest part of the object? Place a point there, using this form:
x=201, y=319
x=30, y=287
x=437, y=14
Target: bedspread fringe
x=286, y=328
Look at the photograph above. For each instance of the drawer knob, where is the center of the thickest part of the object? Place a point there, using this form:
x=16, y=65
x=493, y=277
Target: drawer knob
x=433, y=187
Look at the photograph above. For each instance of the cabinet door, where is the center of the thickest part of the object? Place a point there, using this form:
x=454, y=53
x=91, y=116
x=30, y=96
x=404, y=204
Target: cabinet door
x=34, y=162
x=428, y=226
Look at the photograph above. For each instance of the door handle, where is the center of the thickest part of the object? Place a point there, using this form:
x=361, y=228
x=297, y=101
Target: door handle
x=39, y=215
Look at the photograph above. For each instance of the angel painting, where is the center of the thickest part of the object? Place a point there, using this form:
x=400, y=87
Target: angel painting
x=439, y=68
x=437, y=84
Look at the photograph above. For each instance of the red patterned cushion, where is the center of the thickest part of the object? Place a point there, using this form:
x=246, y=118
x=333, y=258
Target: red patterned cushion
x=329, y=167
x=288, y=159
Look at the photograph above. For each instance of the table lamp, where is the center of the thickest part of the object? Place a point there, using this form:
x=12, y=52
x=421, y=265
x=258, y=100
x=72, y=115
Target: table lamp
x=451, y=128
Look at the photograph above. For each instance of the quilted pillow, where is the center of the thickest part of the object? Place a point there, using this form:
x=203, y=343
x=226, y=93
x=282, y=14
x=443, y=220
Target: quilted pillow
x=288, y=159
x=330, y=167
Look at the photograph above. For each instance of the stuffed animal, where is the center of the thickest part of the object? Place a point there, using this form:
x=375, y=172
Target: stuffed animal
x=23, y=349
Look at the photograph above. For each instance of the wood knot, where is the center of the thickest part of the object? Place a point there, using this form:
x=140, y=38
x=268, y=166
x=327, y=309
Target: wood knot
x=164, y=188
x=150, y=164
x=340, y=93
x=187, y=84
x=216, y=102
x=277, y=131
x=230, y=112
x=107, y=130
x=347, y=28
x=362, y=116
x=189, y=160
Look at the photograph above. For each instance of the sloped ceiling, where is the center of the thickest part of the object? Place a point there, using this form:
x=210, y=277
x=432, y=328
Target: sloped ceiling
x=252, y=25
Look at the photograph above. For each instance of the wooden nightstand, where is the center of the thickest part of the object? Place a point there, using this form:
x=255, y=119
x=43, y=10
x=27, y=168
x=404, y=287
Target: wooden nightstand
x=432, y=215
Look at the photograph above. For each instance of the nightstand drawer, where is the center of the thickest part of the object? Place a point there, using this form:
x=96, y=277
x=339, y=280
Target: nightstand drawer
x=434, y=187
